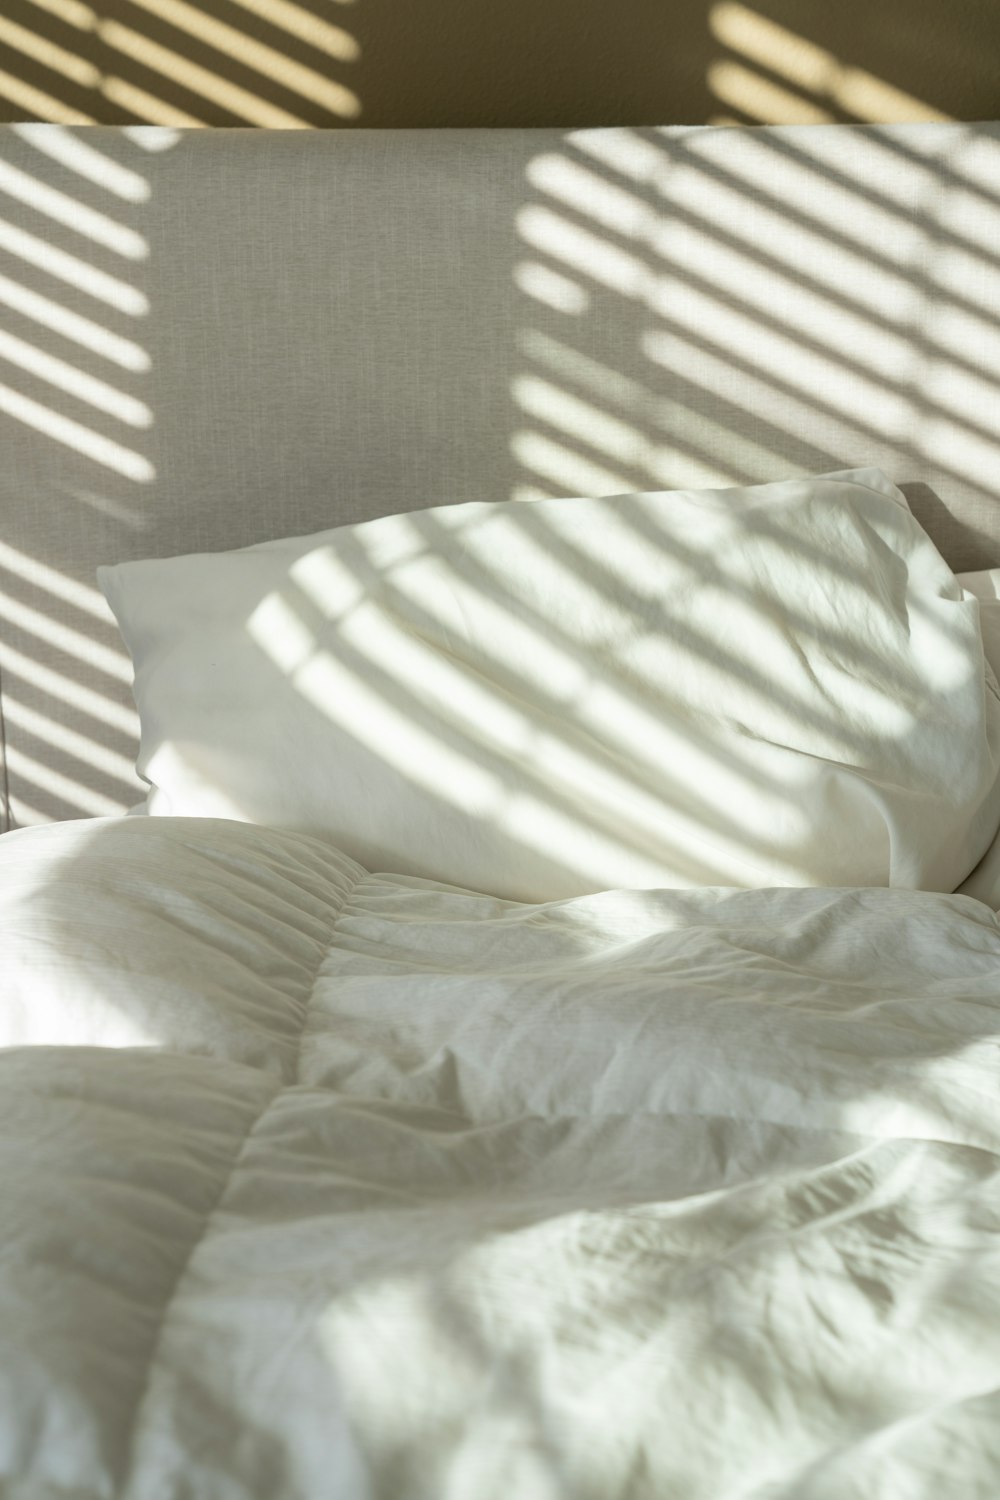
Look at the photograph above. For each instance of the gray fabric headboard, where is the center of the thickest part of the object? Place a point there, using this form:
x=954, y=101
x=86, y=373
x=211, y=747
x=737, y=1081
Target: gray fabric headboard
x=210, y=338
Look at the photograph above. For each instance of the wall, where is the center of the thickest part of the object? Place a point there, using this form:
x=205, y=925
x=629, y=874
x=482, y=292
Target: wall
x=417, y=63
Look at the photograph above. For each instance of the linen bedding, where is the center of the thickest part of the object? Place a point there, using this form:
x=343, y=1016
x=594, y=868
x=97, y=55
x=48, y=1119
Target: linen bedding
x=321, y=1182
x=776, y=684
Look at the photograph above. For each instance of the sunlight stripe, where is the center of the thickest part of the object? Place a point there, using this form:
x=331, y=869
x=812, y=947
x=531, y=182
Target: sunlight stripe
x=761, y=99
x=307, y=27
x=253, y=54
x=147, y=106
x=113, y=663
x=199, y=80
x=71, y=212
x=75, y=382
x=72, y=435
x=72, y=326
x=56, y=59
x=86, y=160
x=47, y=780
x=571, y=473
x=88, y=599
x=40, y=106
x=69, y=741
x=68, y=690
x=73, y=12
x=70, y=268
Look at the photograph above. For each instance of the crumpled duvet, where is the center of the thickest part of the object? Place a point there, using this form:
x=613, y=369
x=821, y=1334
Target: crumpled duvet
x=318, y=1184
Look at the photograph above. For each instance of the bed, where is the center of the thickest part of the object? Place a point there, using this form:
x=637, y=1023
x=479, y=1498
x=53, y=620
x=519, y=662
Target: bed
x=501, y=733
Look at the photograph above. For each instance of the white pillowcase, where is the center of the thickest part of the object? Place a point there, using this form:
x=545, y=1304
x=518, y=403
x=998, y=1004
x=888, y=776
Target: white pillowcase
x=984, y=882
x=779, y=684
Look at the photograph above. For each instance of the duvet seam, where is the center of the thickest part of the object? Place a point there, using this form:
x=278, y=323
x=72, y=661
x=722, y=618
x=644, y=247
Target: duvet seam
x=178, y=1281
x=223, y=1188
x=311, y=995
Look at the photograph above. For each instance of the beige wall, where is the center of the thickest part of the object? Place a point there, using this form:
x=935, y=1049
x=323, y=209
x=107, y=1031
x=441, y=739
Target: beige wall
x=397, y=63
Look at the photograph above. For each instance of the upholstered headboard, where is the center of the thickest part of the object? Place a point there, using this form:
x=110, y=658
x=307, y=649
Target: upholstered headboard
x=210, y=338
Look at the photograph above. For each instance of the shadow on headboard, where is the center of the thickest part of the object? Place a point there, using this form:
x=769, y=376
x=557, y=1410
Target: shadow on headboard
x=210, y=338
x=966, y=546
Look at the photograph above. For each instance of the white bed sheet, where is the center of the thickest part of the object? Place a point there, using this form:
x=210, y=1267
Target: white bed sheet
x=319, y=1183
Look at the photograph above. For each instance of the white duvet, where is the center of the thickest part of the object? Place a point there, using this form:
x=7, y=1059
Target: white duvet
x=320, y=1185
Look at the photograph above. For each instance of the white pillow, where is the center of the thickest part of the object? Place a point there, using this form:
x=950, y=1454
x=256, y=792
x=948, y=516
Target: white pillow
x=984, y=882
x=773, y=685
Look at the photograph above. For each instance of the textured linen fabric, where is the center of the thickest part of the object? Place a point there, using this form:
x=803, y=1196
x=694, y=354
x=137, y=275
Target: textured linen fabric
x=217, y=337
x=984, y=585
x=319, y=1182
x=771, y=685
